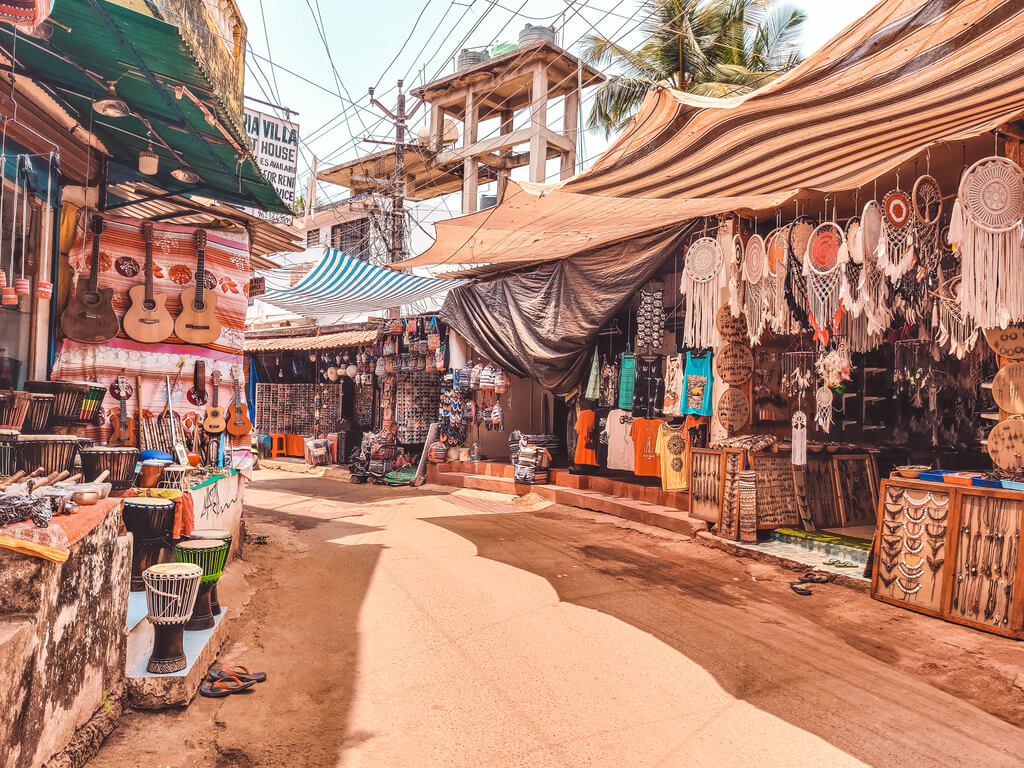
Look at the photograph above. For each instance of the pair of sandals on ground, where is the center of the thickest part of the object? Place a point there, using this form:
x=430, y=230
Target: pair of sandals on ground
x=229, y=680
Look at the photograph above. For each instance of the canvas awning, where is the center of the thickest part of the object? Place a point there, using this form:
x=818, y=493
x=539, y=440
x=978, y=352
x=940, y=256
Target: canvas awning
x=97, y=42
x=341, y=284
x=301, y=343
x=909, y=76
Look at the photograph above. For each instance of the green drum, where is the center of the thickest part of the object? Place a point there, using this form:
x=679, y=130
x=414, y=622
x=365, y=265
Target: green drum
x=210, y=556
x=207, y=534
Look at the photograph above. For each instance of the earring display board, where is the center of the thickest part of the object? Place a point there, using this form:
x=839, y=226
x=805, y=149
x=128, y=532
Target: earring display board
x=732, y=328
x=856, y=480
x=776, y=493
x=1007, y=342
x=821, y=492
x=1008, y=388
x=735, y=364
x=733, y=410
x=1006, y=444
x=952, y=552
x=706, y=483
x=728, y=520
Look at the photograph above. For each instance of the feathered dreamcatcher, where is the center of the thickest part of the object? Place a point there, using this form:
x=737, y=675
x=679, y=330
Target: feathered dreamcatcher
x=699, y=287
x=897, y=252
x=826, y=253
x=754, y=259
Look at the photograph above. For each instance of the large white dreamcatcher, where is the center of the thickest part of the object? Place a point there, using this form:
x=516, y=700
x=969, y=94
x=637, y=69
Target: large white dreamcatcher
x=754, y=258
x=986, y=223
x=856, y=323
x=897, y=253
x=699, y=287
x=826, y=254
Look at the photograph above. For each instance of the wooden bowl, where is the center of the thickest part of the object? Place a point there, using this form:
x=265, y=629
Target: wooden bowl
x=911, y=471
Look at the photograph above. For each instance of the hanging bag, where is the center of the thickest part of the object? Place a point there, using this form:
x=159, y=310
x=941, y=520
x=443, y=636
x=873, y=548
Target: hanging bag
x=433, y=336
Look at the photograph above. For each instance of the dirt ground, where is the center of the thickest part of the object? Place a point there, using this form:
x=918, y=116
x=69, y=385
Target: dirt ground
x=423, y=628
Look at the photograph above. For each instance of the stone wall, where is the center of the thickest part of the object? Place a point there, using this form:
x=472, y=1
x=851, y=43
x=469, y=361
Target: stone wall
x=62, y=642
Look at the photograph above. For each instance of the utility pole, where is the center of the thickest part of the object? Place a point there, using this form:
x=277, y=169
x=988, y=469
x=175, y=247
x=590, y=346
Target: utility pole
x=400, y=119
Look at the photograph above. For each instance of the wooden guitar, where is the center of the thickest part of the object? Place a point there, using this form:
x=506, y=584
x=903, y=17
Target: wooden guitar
x=123, y=435
x=214, y=421
x=89, y=316
x=198, y=323
x=147, y=319
x=238, y=415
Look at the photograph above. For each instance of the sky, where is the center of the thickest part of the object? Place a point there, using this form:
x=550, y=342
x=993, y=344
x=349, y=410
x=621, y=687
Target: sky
x=376, y=43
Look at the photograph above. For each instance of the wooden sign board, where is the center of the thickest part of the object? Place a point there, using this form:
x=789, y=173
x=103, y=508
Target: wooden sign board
x=1008, y=388
x=1007, y=342
x=732, y=329
x=733, y=410
x=1006, y=445
x=735, y=364
x=257, y=286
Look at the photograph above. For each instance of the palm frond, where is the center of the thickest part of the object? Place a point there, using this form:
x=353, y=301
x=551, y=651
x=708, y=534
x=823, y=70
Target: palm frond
x=616, y=100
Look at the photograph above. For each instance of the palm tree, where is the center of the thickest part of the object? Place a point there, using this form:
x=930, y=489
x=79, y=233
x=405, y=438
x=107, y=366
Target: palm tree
x=707, y=47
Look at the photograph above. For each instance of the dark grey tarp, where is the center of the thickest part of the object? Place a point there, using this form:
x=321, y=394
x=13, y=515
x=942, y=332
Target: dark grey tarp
x=541, y=323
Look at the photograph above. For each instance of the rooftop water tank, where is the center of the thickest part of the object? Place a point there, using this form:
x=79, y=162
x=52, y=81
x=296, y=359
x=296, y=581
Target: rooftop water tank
x=488, y=201
x=451, y=133
x=470, y=58
x=534, y=33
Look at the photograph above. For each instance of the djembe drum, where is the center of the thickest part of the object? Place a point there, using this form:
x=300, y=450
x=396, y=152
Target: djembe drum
x=13, y=409
x=173, y=477
x=54, y=453
x=8, y=452
x=119, y=462
x=209, y=555
x=213, y=534
x=171, y=590
x=69, y=397
x=151, y=523
x=40, y=409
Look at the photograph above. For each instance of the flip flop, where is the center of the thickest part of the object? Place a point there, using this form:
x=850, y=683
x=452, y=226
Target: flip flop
x=813, y=578
x=240, y=673
x=225, y=687
x=840, y=563
x=800, y=589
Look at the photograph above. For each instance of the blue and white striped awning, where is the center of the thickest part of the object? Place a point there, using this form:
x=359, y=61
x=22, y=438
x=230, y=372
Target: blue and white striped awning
x=341, y=284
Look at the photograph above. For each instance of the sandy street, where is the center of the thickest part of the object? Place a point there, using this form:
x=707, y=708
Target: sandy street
x=426, y=628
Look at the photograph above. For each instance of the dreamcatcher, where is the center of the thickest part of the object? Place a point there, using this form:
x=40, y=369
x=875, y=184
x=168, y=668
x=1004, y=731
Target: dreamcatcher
x=754, y=258
x=735, y=266
x=797, y=376
x=897, y=251
x=986, y=223
x=956, y=331
x=796, y=284
x=822, y=263
x=699, y=286
x=823, y=413
x=850, y=276
x=873, y=288
x=927, y=203
x=777, y=251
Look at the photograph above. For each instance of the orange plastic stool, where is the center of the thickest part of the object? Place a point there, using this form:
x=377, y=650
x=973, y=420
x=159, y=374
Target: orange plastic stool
x=277, y=446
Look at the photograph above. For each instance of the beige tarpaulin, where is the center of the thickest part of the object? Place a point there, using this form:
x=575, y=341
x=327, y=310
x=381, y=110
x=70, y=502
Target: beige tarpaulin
x=909, y=75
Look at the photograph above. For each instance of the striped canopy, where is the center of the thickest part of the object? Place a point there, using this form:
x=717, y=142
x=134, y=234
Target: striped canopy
x=910, y=77
x=341, y=284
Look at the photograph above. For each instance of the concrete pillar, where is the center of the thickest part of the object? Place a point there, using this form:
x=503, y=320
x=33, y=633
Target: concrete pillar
x=469, y=164
x=505, y=129
x=539, y=120
x=571, y=132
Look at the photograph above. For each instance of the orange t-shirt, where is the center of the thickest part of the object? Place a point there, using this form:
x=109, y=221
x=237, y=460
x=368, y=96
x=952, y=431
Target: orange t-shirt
x=586, y=452
x=645, y=445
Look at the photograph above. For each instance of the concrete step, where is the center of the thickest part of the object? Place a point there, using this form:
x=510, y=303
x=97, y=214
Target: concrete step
x=825, y=543
x=639, y=510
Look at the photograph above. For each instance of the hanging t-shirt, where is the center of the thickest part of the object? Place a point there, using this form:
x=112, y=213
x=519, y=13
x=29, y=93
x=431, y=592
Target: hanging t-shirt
x=645, y=446
x=600, y=434
x=697, y=381
x=609, y=384
x=697, y=428
x=627, y=377
x=621, y=454
x=673, y=386
x=671, y=449
x=586, y=446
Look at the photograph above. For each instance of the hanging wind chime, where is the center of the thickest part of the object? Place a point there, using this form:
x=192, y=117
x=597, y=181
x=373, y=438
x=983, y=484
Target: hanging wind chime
x=699, y=287
x=22, y=286
x=9, y=291
x=44, y=288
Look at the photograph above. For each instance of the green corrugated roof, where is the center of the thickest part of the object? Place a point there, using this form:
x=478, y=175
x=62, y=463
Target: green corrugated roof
x=114, y=43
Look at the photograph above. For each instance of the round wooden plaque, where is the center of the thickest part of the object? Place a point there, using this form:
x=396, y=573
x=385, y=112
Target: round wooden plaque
x=1008, y=388
x=732, y=329
x=1006, y=445
x=733, y=410
x=1008, y=342
x=735, y=364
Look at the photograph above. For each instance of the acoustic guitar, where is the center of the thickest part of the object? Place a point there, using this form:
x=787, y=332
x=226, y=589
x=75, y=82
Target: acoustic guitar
x=147, y=319
x=238, y=415
x=123, y=435
x=214, y=421
x=198, y=323
x=89, y=316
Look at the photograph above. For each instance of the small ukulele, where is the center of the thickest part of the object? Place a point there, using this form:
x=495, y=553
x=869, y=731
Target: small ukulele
x=238, y=415
x=214, y=421
x=89, y=316
x=123, y=435
x=198, y=323
x=147, y=319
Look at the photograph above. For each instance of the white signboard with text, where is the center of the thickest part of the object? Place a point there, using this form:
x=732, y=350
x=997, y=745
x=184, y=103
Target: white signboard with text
x=275, y=145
